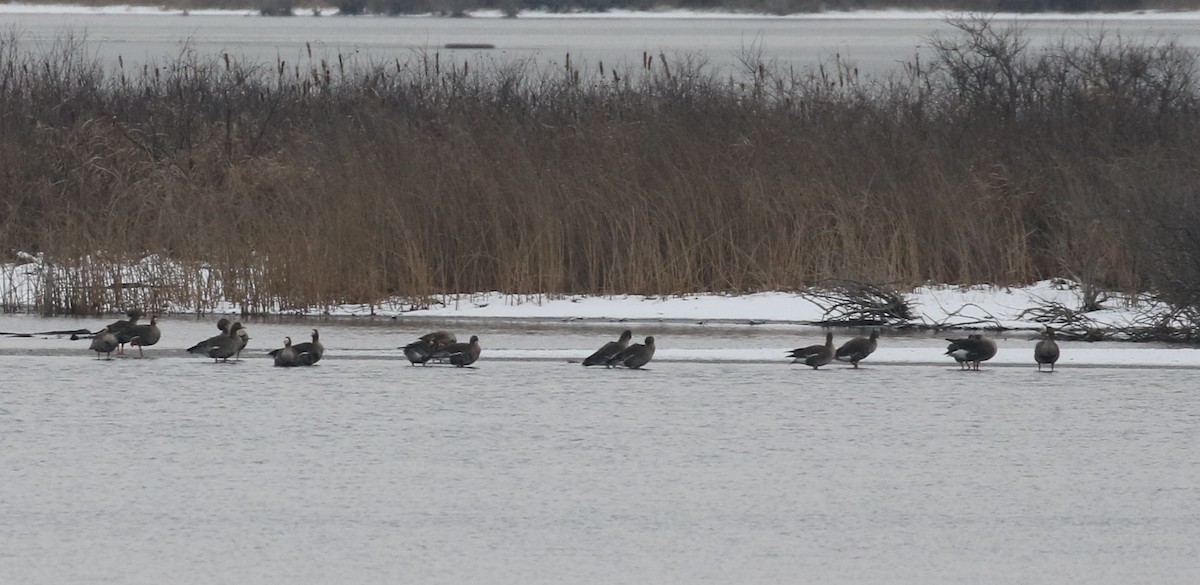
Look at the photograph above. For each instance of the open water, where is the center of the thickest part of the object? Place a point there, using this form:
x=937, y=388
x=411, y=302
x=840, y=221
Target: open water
x=873, y=46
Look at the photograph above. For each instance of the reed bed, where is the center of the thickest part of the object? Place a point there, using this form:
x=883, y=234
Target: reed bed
x=331, y=181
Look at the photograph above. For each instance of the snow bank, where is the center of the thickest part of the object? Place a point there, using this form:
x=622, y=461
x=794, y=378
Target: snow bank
x=24, y=283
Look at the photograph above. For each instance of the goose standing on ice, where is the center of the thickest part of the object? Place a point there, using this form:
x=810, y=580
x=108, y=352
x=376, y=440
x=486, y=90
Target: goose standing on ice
x=460, y=354
x=227, y=345
x=814, y=356
x=970, y=351
x=104, y=342
x=1046, y=350
x=634, y=356
x=117, y=327
x=857, y=349
x=141, y=335
x=203, y=347
x=609, y=350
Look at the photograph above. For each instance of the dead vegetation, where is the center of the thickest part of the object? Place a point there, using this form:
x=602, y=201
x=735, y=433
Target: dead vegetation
x=334, y=181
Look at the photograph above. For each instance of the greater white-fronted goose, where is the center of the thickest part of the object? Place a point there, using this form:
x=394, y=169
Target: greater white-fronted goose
x=439, y=339
x=1046, y=350
x=419, y=352
x=460, y=354
x=203, y=347
x=227, y=346
x=243, y=338
x=970, y=351
x=857, y=349
x=288, y=357
x=608, y=350
x=141, y=335
x=104, y=342
x=635, y=356
x=314, y=349
x=117, y=327
x=814, y=356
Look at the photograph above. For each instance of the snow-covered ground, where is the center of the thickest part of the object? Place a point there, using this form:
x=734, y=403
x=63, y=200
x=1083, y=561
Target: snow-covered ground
x=671, y=13
x=982, y=307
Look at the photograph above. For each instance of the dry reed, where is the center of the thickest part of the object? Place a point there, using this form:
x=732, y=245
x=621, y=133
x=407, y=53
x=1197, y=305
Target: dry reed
x=334, y=181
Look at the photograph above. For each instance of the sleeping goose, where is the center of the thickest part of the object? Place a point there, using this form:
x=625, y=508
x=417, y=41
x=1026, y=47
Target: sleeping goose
x=814, y=355
x=104, y=342
x=608, y=350
x=857, y=349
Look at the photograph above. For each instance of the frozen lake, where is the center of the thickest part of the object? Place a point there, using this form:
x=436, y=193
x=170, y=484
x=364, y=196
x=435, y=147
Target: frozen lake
x=531, y=469
x=874, y=45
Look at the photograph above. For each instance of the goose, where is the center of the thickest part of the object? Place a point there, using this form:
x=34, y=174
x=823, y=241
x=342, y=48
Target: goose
x=419, y=352
x=634, y=356
x=141, y=335
x=608, y=350
x=243, y=338
x=313, y=349
x=1046, y=350
x=814, y=355
x=438, y=339
x=460, y=354
x=288, y=357
x=116, y=327
x=971, y=350
x=227, y=345
x=104, y=342
x=857, y=349
x=203, y=346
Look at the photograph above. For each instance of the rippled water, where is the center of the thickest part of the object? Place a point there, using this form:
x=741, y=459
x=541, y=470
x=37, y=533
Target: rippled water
x=365, y=470
x=874, y=46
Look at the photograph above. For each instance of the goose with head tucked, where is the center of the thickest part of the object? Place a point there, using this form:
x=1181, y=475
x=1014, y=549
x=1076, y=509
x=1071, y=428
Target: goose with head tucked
x=814, y=356
x=104, y=342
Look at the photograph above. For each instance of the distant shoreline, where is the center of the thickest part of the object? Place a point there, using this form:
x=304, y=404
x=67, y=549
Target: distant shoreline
x=158, y=9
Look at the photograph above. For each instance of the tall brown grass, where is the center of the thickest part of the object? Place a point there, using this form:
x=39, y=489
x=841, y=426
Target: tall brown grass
x=335, y=181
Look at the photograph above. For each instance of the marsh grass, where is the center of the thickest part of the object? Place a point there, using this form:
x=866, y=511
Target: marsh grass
x=336, y=181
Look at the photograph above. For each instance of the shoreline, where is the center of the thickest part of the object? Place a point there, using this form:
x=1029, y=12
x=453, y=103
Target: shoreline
x=665, y=14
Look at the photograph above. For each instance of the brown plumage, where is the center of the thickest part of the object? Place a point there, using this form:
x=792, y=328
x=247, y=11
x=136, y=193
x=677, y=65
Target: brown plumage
x=141, y=335
x=117, y=327
x=970, y=351
x=857, y=349
x=104, y=342
x=314, y=350
x=634, y=356
x=460, y=354
x=814, y=355
x=1046, y=350
x=609, y=350
x=438, y=339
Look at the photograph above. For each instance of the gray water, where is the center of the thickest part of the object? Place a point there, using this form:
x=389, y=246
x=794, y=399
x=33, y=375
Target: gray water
x=362, y=469
x=875, y=47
